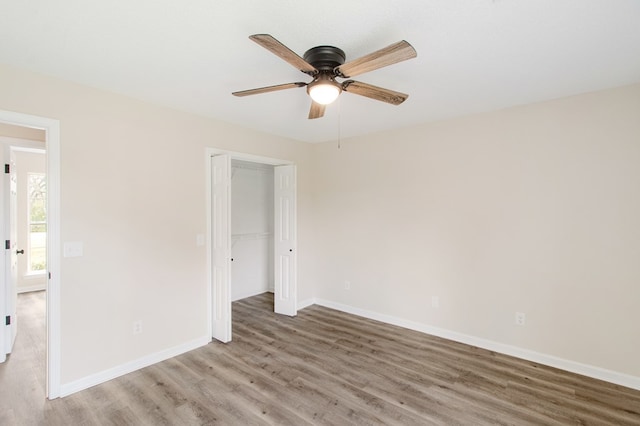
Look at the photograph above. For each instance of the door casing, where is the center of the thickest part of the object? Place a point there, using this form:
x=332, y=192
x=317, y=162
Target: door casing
x=211, y=152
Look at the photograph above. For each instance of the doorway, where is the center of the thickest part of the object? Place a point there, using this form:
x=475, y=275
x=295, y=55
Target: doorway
x=251, y=229
x=220, y=241
x=50, y=144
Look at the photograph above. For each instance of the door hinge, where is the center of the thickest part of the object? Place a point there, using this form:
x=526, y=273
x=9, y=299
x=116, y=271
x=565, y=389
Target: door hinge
x=7, y=168
x=7, y=244
x=7, y=320
x=49, y=275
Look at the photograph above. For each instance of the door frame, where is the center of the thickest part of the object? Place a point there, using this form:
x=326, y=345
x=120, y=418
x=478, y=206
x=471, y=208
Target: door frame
x=235, y=155
x=52, y=146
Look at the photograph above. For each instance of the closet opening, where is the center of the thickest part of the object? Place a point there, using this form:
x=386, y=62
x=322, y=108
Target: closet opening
x=252, y=271
x=252, y=244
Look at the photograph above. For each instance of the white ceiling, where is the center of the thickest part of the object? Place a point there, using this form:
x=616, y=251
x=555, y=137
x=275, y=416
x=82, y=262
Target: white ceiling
x=473, y=55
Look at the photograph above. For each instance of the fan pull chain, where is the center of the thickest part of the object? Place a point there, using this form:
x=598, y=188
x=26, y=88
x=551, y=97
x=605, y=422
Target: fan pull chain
x=339, y=121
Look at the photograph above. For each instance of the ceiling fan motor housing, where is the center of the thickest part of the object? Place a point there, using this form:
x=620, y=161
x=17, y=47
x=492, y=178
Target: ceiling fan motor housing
x=325, y=58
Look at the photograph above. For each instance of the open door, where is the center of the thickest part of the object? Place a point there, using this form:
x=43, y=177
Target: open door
x=221, y=247
x=285, y=295
x=11, y=255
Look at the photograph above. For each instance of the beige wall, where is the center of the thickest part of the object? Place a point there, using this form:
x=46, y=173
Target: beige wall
x=133, y=191
x=533, y=209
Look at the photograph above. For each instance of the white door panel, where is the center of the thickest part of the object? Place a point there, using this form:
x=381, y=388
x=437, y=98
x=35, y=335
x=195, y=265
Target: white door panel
x=11, y=256
x=12, y=297
x=285, y=295
x=221, y=247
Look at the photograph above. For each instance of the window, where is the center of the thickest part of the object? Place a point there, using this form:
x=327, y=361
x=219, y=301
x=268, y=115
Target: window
x=37, y=222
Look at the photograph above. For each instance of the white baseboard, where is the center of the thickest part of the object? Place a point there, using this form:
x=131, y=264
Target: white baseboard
x=250, y=294
x=306, y=303
x=120, y=370
x=540, y=358
x=30, y=288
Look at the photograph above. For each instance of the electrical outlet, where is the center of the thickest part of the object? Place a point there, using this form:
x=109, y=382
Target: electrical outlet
x=137, y=327
x=520, y=318
x=435, y=302
x=347, y=285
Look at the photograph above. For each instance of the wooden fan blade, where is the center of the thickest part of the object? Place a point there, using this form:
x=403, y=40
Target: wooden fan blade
x=268, y=89
x=279, y=49
x=374, y=92
x=316, y=111
x=398, y=52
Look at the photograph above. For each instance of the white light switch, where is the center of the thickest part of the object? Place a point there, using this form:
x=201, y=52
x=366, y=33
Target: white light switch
x=199, y=240
x=73, y=249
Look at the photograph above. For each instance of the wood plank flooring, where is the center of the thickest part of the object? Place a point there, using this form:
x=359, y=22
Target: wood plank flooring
x=321, y=367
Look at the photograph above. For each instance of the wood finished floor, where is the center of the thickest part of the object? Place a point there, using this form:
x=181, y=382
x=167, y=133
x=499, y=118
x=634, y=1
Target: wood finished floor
x=322, y=367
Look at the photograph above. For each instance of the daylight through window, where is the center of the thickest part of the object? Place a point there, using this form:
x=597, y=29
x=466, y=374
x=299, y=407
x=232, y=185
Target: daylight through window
x=37, y=219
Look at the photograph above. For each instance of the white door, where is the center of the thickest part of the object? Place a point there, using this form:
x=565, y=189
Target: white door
x=11, y=256
x=285, y=296
x=221, y=247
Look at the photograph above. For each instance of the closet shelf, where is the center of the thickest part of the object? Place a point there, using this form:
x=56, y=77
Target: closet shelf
x=252, y=236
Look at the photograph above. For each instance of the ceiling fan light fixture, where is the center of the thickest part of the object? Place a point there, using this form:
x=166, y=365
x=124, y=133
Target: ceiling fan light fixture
x=324, y=90
x=326, y=63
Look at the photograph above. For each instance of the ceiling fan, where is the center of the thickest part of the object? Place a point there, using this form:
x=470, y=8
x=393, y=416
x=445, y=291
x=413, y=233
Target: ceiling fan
x=326, y=63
